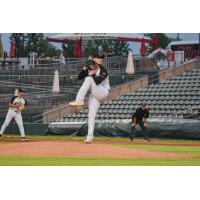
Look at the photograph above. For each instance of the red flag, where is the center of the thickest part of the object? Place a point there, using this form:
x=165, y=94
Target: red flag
x=12, y=49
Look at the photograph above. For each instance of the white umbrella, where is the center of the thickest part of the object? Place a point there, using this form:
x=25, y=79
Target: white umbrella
x=16, y=92
x=130, y=65
x=56, y=84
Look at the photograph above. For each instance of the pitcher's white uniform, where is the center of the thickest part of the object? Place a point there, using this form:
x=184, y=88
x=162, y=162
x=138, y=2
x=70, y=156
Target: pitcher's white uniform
x=99, y=85
x=16, y=114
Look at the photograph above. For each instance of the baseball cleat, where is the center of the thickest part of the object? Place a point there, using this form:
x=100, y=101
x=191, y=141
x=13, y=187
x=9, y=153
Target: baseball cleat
x=76, y=103
x=87, y=141
x=24, y=139
x=147, y=140
x=131, y=139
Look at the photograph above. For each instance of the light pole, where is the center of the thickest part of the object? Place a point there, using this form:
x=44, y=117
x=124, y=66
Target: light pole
x=178, y=37
x=199, y=46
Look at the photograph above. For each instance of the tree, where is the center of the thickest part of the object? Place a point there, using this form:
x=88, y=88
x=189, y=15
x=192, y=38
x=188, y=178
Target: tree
x=120, y=48
x=68, y=50
x=19, y=39
x=163, y=40
x=35, y=42
x=117, y=47
x=32, y=42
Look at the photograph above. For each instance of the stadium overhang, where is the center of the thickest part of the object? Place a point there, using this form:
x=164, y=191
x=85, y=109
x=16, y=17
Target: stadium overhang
x=77, y=38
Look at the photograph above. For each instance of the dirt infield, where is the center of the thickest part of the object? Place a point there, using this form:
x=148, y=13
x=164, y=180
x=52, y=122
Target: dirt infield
x=79, y=149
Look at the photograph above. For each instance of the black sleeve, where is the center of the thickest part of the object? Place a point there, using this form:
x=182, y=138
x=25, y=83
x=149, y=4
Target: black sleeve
x=102, y=76
x=82, y=74
x=13, y=98
x=25, y=102
x=137, y=112
x=133, y=116
x=147, y=114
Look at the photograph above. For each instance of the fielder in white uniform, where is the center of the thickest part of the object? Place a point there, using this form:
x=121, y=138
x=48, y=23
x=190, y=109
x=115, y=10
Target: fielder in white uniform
x=16, y=105
x=96, y=80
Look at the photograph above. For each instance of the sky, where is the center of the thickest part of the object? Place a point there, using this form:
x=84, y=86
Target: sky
x=134, y=46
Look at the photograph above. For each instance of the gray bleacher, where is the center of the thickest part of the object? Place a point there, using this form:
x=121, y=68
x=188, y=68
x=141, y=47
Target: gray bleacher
x=178, y=97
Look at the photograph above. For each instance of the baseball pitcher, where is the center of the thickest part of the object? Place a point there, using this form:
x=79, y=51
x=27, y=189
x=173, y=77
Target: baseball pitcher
x=96, y=80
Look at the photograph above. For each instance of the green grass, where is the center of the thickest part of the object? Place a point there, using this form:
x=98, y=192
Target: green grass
x=62, y=161
x=75, y=138
x=191, y=150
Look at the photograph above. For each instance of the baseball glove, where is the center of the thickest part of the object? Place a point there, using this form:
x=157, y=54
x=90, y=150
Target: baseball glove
x=21, y=107
x=87, y=63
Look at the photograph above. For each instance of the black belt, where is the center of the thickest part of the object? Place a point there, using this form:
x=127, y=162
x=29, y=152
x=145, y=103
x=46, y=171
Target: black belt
x=15, y=110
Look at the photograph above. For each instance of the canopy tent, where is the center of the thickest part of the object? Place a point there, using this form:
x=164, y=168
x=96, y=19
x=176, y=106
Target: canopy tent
x=158, y=51
x=79, y=37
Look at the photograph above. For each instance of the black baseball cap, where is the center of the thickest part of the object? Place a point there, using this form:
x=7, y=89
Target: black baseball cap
x=20, y=90
x=143, y=104
x=96, y=55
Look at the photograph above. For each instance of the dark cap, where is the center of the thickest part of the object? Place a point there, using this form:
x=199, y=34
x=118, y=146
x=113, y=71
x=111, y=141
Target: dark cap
x=20, y=90
x=96, y=55
x=88, y=62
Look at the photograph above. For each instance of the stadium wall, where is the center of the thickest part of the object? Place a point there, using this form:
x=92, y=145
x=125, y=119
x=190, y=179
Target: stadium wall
x=157, y=128
x=186, y=67
x=30, y=129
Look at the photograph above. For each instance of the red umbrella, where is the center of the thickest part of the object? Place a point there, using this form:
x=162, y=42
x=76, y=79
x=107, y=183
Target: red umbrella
x=12, y=49
x=143, y=48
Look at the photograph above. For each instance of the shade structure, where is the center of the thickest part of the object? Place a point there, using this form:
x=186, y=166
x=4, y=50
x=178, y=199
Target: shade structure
x=1, y=48
x=56, y=83
x=64, y=37
x=77, y=38
x=12, y=49
x=130, y=64
x=78, y=49
x=143, y=48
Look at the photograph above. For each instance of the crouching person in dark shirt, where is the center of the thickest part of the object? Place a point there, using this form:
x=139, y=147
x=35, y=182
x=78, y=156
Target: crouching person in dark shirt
x=140, y=117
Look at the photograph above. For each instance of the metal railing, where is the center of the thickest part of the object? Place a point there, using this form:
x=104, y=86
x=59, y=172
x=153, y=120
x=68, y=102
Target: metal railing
x=158, y=61
x=115, y=62
x=40, y=94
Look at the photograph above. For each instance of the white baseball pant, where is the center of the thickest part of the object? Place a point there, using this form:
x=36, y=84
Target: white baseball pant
x=18, y=118
x=98, y=95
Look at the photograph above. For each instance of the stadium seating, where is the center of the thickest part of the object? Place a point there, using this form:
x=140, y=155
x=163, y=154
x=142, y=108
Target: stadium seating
x=178, y=97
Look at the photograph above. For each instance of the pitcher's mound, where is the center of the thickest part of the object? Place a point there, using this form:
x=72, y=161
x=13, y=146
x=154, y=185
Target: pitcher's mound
x=79, y=149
